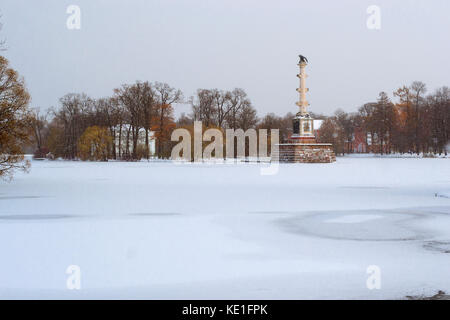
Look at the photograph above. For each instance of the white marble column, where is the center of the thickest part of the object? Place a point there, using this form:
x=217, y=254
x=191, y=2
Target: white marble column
x=302, y=90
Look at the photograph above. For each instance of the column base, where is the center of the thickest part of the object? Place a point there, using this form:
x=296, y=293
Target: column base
x=304, y=153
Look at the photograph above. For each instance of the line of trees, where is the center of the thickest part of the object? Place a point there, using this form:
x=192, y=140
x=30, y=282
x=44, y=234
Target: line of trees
x=136, y=109
x=414, y=123
x=132, y=111
x=232, y=110
x=222, y=109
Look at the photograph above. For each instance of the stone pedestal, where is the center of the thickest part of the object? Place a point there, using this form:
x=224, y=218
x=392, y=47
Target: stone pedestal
x=304, y=153
x=304, y=150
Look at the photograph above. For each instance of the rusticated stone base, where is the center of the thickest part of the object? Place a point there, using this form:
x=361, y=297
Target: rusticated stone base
x=304, y=153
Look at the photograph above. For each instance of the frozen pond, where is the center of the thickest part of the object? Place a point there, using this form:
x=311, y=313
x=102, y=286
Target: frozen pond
x=164, y=230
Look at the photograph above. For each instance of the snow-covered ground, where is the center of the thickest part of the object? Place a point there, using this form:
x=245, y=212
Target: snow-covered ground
x=163, y=230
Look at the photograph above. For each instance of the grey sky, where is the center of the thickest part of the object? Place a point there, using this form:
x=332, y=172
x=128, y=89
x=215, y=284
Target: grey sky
x=228, y=43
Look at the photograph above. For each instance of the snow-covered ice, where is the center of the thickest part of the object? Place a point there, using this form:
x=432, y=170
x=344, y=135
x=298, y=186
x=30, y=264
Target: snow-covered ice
x=161, y=230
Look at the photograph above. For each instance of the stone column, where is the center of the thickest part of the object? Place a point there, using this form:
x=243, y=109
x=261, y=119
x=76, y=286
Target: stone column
x=302, y=90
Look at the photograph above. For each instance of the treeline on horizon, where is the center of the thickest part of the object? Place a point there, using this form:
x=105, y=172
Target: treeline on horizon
x=88, y=128
x=414, y=123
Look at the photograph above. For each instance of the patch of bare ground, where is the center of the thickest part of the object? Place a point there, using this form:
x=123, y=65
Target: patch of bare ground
x=441, y=295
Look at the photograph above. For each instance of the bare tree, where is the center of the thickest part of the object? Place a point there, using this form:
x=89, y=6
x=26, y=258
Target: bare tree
x=346, y=124
x=166, y=96
x=203, y=107
x=439, y=120
x=184, y=120
x=135, y=99
x=110, y=114
x=329, y=133
x=149, y=110
x=238, y=100
x=222, y=105
x=384, y=118
x=38, y=124
x=75, y=116
x=418, y=89
x=247, y=117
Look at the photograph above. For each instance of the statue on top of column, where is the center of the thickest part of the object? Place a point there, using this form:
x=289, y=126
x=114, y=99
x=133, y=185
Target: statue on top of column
x=302, y=59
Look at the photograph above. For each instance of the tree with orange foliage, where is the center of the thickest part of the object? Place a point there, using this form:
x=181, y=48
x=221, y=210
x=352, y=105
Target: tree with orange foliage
x=404, y=137
x=163, y=121
x=14, y=118
x=163, y=125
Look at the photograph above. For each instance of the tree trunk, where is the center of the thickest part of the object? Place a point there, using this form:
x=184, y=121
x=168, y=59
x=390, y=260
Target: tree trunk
x=147, y=149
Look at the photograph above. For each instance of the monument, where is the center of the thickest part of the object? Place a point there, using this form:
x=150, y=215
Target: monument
x=302, y=145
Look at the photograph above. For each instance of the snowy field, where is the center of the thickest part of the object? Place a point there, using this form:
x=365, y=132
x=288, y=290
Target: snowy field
x=159, y=230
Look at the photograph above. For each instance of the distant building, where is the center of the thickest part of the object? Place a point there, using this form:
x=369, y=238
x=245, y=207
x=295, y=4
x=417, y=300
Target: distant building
x=360, y=141
x=317, y=123
x=365, y=142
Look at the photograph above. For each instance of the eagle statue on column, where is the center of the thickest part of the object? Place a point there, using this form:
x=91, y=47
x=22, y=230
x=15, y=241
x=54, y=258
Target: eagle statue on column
x=302, y=59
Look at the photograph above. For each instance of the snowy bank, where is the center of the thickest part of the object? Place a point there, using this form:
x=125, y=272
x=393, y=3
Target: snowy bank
x=164, y=230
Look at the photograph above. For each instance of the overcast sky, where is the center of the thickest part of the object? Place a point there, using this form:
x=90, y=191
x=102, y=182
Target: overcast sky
x=228, y=43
